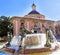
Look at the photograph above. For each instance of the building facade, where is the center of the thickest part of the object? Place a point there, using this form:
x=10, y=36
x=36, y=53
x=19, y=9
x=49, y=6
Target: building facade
x=58, y=28
x=33, y=22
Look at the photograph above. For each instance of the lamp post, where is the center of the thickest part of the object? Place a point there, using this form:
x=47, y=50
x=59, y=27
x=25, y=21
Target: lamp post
x=10, y=32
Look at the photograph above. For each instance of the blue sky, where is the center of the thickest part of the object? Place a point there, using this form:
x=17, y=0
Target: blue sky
x=50, y=8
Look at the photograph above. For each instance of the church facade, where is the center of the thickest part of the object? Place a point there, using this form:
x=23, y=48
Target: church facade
x=33, y=22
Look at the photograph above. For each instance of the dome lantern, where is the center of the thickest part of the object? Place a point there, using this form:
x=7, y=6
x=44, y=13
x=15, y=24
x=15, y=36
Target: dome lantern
x=33, y=6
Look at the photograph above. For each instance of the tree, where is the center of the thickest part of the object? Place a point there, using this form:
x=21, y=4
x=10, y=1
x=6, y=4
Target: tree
x=4, y=26
x=4, y=18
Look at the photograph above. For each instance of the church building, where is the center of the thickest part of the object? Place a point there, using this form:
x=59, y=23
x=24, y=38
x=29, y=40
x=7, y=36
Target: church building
x=33, y=22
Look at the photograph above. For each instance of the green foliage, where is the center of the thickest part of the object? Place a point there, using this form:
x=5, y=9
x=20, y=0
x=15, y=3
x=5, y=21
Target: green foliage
x=4, y=26
x=4, y=18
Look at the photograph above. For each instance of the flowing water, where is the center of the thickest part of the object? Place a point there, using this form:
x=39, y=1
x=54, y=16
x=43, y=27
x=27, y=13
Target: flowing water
x=57, y=52
x=3, y=53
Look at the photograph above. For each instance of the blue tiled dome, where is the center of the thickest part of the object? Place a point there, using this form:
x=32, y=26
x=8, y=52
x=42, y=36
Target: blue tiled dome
x=34, y=12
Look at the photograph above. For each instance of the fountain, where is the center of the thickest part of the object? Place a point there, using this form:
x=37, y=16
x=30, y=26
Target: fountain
x=54, y=44
x=34, y=44
x=32, y=41
x=57, y=52
x=13, y=46
x=53, y=41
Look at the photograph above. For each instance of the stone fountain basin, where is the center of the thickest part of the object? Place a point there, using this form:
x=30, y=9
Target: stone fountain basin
x=34, y=41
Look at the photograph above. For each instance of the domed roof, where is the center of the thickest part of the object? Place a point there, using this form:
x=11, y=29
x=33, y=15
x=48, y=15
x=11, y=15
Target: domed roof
x=34, y=12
